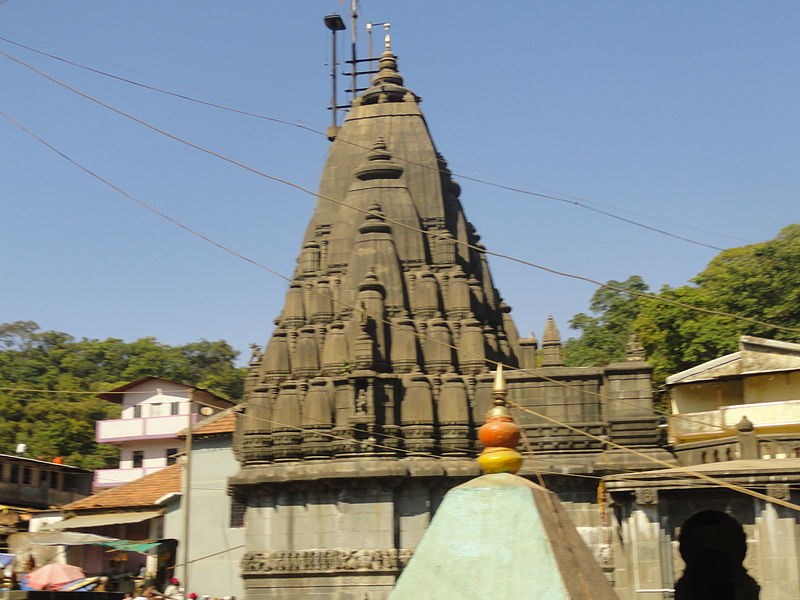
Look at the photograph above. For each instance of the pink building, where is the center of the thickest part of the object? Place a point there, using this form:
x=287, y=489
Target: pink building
x=154, y=410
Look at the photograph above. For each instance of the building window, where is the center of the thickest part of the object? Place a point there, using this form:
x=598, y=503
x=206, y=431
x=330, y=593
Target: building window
x=137, y=411
x=14, y=473
x=26, y=475
x=173, y=408
x=238, y=509
x=43, y=476
x=155, y=410
x=138, y=458
x=171, y=455
x=54, y=480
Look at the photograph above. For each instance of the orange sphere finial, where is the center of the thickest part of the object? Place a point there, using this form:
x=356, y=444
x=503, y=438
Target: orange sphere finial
x=499, y=435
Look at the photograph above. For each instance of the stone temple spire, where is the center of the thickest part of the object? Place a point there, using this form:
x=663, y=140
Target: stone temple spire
x=391, y=317
x=367, y=400
x=551, y=345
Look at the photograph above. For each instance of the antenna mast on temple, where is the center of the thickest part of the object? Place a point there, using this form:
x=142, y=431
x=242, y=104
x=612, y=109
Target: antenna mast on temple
x=354, y=60
x=353, y=45
x=335, y=23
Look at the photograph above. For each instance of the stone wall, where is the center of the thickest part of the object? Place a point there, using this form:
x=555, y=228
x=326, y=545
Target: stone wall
x=646, y=527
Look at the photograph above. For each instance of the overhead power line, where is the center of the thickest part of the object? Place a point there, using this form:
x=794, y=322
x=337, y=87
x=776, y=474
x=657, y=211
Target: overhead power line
x=387, y=219
x=681, y=469
x=603, y=204
x=251, y=261
x=318, y=125
x=422, y=337
x=571, y=200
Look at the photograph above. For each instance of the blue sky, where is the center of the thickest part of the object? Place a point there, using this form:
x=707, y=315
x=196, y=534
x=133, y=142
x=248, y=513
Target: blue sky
x=684, y=111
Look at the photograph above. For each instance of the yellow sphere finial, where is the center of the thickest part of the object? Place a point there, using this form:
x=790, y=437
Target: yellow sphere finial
x=499, y=434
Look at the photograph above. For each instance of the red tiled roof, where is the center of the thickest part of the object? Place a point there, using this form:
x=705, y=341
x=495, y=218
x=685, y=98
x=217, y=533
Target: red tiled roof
x=114, y=394
x=222, y=423
x=225, y=424
x=141, y=492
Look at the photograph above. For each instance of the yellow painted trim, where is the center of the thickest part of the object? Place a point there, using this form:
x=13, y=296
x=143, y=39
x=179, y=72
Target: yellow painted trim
x=732, y=432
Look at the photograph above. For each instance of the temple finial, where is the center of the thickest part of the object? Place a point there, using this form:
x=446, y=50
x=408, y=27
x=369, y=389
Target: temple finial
x=387, y=39
x=499, y=387
x=499, y=435
x=387, y=65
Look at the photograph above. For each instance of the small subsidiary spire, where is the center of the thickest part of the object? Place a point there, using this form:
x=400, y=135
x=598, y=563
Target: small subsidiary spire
x=499, y=435
x=379, y=164
x=551, y=345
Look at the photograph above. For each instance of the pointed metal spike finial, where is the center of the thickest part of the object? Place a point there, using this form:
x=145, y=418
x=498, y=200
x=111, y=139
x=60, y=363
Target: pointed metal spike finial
x=499, y=386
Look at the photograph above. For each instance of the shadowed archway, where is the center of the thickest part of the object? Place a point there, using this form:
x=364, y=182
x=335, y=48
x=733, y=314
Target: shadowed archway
x=713, y=546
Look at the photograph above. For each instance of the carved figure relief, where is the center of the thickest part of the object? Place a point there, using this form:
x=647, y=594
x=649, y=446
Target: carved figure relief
x=372, y=560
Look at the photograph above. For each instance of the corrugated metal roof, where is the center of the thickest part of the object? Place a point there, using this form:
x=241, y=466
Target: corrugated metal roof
x=108, y=518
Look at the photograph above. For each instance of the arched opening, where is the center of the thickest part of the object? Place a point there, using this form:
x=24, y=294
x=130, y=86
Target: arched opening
x=713, y=546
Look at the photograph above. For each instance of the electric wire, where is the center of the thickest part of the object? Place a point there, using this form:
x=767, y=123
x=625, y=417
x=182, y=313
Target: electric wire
x=150, y=75
x=278, y=274
x=350, y=427
x=429, y=233
x=294, y=120
x=605, y=205
x=681, y=469
x=713, y=480
x=194, y=560
x=568, y=199
x=702, y=476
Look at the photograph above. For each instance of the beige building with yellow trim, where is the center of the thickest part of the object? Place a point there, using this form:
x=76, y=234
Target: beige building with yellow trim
x=759, y=384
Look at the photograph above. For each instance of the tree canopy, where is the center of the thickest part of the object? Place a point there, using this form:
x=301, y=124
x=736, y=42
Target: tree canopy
x=759, y=281
x=603, y=336
x=62, y=424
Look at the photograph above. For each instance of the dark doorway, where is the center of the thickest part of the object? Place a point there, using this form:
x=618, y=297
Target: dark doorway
x=713, y=545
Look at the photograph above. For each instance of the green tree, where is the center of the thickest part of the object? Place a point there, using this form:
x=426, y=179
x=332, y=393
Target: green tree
x=61, y=424
x=759, y=281
x=603, y=336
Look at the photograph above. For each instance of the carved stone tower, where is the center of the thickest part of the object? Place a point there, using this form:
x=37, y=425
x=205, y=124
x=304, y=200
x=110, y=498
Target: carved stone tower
x=362, y=408
x=370, y=370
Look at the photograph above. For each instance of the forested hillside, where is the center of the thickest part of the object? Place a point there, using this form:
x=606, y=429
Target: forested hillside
x=57, y=423
x=759, y=281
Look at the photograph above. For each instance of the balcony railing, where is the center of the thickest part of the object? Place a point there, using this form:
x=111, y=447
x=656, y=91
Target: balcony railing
x=782, y=416
x=113, y=477
x=120, y=430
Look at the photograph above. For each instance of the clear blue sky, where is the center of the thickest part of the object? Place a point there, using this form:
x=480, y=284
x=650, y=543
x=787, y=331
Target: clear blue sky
x=683, y=110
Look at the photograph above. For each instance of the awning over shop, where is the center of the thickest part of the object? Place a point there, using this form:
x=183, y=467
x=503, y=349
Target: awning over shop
x=73, y=538
x=100, y=519
x=67, y=538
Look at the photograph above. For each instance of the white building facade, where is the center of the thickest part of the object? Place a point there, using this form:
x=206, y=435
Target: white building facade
x=154, y=410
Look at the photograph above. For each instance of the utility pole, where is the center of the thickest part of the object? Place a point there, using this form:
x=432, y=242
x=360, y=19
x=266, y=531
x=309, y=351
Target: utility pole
x=187, y=487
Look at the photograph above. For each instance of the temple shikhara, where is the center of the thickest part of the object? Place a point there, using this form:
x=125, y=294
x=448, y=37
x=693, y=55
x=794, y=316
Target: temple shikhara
x=363, y=408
